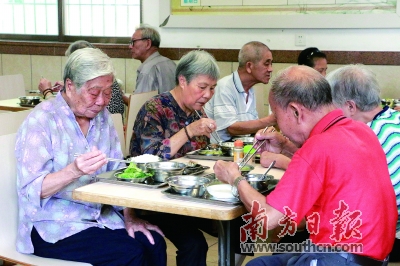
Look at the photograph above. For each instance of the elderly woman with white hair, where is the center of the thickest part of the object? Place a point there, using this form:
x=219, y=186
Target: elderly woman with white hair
x=51, y=223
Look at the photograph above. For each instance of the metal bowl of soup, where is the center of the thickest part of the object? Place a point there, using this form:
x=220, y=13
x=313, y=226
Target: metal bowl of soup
x=162, y=170
x=188, y=185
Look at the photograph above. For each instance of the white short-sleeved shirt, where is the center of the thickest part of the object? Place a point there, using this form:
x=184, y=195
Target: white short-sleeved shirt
x=228, y=105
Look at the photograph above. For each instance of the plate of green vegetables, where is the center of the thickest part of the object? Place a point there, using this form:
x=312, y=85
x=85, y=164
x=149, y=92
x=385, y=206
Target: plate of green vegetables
x=133, y=174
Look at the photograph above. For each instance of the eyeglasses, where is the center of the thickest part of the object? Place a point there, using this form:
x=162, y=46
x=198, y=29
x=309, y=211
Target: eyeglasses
x=132, y=42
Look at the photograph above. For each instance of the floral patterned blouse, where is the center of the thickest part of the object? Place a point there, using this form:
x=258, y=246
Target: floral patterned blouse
x=158, y=120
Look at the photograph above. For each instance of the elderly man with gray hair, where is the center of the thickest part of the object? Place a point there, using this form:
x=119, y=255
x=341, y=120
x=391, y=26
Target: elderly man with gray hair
x=157, y=72
x=356, y=91
x=329, y=183
x=233, y=106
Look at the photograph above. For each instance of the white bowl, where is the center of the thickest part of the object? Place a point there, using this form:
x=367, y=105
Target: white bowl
x=220, y=191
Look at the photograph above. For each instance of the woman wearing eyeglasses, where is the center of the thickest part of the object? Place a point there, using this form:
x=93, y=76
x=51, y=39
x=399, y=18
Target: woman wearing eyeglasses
x=314, y=58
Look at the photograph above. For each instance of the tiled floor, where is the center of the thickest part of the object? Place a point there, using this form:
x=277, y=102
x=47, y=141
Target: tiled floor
x=212, y=256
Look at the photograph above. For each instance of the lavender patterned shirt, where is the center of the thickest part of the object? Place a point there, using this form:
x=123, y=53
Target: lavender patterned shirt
x=46, y=143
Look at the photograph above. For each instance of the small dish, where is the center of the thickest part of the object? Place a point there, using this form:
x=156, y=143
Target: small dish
x=220, y=191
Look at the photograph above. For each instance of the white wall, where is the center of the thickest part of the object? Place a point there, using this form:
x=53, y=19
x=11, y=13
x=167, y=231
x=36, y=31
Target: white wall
x=276, y=39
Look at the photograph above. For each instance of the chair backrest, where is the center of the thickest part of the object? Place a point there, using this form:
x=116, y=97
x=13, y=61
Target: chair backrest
x=136, y=102
x=11, y=86
x=119, y=126
x=9, y=210
x=11, y=121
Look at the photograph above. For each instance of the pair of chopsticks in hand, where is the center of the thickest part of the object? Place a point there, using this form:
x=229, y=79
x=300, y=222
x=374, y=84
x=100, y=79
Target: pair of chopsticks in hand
x=214, y=133
x=247, y=157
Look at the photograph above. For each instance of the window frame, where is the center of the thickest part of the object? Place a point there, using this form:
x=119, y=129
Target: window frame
x=61, y=37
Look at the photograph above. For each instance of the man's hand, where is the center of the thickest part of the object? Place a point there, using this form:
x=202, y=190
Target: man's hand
x=281, y=161
x=226, y=171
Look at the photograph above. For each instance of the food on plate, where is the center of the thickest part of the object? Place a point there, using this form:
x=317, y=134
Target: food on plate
x=192, y=164
x=246, y=168
x=210, y=152
x=145, y=158
x=132, y=171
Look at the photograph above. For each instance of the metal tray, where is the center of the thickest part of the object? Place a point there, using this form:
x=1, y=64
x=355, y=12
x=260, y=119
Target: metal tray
x=195, y=155
x=114, y=180
x=108, y=177
x=207, y=198
x=27, y=105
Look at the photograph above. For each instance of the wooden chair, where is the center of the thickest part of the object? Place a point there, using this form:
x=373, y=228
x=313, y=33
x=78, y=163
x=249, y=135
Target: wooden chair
x=119, y=126
x=9, y=211
x=136, y=102
x=11, y=86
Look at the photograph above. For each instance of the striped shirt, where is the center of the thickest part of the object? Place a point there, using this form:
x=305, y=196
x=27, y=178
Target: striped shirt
x=386, y=126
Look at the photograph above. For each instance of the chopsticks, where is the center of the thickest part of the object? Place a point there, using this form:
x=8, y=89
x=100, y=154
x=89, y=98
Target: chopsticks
x=109, y=159
x=247, y=157
x=214, y=133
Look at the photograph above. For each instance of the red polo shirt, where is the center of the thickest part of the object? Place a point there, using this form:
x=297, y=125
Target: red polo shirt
x=341, y=164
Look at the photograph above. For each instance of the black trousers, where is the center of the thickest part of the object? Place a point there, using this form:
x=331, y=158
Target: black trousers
x=104, y=247
x=184, y=232
x=395, y=253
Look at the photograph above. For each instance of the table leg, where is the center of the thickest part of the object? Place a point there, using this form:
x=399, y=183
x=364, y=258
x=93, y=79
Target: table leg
x=226, y=251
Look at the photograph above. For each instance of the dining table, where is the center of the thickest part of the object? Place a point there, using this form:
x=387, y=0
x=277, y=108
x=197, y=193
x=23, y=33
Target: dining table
x=13, y=105
x=155, y=199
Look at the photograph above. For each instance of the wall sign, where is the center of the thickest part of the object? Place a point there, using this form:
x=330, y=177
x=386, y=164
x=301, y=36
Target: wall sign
x=280, y=13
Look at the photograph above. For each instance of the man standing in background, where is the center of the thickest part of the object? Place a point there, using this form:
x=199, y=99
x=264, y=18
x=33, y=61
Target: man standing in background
x=156, y=71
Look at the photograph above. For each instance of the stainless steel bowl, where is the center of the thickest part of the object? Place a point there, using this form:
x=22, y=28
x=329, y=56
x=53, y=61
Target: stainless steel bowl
x=29, y=100
x=246, y=140
x=188, y=185
x=142, y=163
x=162, y=170
x=227, y=148
x=258, y=181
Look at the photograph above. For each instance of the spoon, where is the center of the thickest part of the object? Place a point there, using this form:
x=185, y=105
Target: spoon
x=269, y=168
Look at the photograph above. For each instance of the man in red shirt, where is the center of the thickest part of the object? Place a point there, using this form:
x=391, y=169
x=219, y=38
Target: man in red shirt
x=331, y=180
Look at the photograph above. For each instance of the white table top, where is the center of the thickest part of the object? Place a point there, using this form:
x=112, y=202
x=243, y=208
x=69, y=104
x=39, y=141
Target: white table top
x=155, y=200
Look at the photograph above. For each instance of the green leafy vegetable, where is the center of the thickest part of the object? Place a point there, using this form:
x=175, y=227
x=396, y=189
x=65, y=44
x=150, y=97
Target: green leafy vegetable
x=246, y=168
x=132, y=171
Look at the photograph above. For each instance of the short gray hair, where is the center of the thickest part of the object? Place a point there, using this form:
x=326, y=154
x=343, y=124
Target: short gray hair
x=151, y=33
x=251, y=52
x=78, y=45
x=303, y=85
x=196, y=63
x=86, y=64
x=356, y=83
